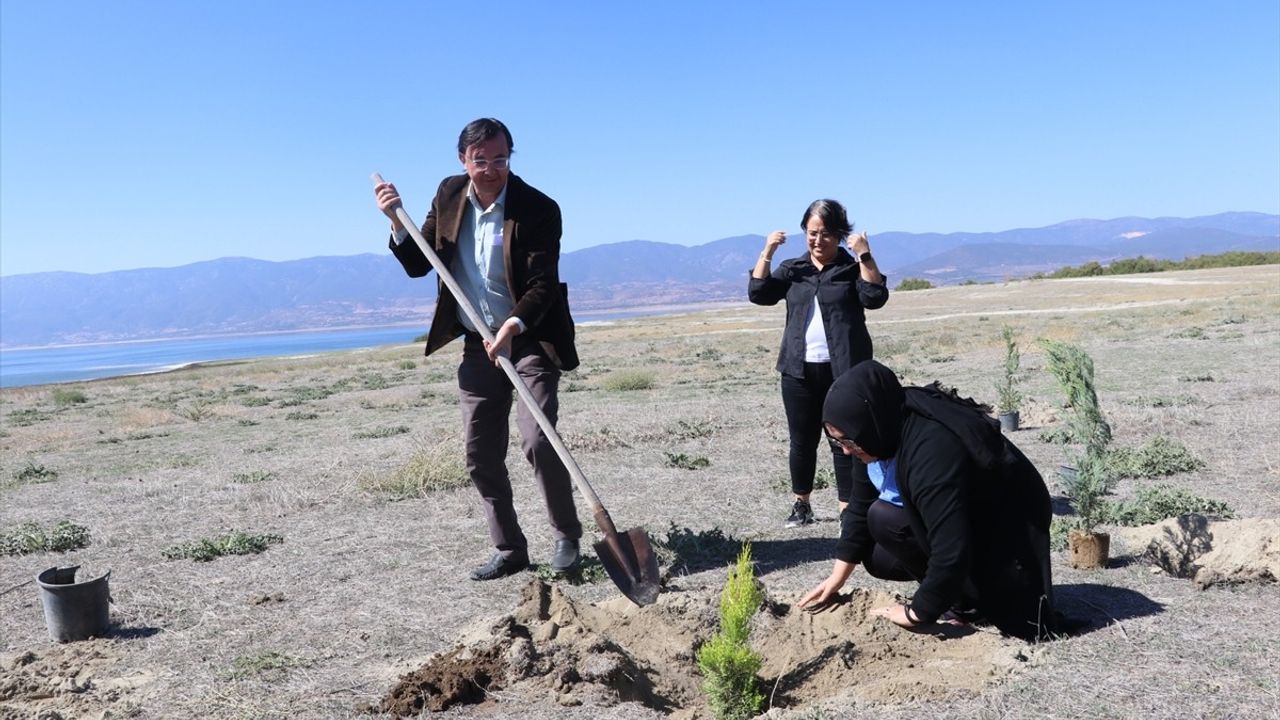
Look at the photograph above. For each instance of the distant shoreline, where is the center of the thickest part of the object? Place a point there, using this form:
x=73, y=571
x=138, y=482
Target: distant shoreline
x=584, y=316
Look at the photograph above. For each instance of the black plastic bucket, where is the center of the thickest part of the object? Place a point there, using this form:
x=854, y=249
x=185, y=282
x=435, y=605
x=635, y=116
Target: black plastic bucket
x=72, y=610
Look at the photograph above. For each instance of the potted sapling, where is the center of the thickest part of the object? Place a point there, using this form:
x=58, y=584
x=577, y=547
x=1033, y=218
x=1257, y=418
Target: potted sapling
x=1091, y=479
x=1009, y=398
x=1088, y=548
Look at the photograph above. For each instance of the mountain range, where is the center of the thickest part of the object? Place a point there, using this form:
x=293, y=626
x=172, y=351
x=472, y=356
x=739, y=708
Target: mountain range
x=243, y=295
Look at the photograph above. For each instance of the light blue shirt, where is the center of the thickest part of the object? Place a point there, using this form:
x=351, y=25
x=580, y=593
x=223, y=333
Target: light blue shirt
x=478, y=264
x=884, y=475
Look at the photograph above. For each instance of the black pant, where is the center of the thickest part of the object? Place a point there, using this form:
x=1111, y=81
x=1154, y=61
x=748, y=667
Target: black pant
x=897, y=554
x=802, y=399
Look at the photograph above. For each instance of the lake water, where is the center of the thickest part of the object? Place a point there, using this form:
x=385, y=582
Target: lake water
x=68, y=363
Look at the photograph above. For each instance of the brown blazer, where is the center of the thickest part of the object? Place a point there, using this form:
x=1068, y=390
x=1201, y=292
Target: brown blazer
x=530, y=254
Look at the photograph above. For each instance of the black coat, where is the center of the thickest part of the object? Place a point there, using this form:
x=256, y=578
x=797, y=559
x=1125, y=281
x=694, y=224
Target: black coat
x=842, y=298
x=978, y=507
x=531, y=256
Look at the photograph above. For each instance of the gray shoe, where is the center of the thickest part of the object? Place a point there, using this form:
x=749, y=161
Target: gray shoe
x=801, y=514
x=565, y=558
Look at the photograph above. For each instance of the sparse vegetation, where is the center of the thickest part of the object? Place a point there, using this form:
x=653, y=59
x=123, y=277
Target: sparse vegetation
x=626, y=380
x=30, y=538
x=269, y=661
x=232, y=543
x=1161, y=502
x=406, y=365
x=196, y=411
x=1140, y=264
x=588, y=572
x=727, y=662
x=913, y=284
x=383, y=432
x=300, y=415
x=686, y=462
x=430, y=469
x=683, y=550
x=63, y=397
x=256, y=476
x=1159, y=457
x=33, y=473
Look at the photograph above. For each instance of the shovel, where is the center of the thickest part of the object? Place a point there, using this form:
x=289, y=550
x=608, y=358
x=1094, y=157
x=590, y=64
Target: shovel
x=627, y=557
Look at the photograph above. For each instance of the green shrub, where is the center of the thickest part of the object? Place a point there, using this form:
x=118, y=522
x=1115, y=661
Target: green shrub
x=630, y=380
x=406, y=365
x=685, y=462
x=430, y=469
x=913, y=284
x=32, y=473
x=381, y=432
x=683, y=549
x=256, y=476
x=30, y=538
x=62, y=397
x=299, y=415
x=233, y=543
x=196, y=411
x=589, y=570
x=727, y=663
x=1161, y=502
x=1159, y=457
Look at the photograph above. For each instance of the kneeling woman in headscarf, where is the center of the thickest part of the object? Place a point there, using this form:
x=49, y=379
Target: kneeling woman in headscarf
x=950, y=503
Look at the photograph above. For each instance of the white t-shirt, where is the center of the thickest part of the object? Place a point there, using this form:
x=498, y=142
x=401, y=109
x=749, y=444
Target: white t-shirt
x=815, y=337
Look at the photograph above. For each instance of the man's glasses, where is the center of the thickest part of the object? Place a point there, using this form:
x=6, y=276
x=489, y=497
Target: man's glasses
x=496, y=164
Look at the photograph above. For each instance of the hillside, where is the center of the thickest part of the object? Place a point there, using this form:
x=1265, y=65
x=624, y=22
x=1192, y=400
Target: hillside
x=241, y=295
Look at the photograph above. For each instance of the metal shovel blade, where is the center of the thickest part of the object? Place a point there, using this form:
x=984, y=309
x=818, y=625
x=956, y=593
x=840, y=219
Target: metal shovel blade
x=629, y=559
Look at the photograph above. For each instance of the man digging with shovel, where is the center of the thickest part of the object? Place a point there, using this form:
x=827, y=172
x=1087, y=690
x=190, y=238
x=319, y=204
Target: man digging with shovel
x=500, y=238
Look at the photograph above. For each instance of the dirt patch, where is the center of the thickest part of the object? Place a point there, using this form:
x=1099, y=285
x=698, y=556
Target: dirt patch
x=1210, y=552
x=65, y=681
x=601, y=655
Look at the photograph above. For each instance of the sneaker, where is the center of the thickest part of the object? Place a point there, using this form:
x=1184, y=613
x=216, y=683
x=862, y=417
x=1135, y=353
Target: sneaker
x=801, y=514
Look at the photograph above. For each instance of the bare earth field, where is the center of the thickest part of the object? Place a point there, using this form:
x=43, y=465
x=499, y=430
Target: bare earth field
x=366, y=588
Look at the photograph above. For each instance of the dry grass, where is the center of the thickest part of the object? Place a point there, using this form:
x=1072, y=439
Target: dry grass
x=371, y=587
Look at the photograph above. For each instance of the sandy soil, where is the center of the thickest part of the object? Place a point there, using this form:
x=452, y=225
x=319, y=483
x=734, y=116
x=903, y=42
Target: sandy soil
x=367, y=589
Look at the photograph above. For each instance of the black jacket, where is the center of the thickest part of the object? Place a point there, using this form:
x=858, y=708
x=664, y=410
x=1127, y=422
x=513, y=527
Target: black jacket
x=531, y=256
x=842, y=297
x=986, y=531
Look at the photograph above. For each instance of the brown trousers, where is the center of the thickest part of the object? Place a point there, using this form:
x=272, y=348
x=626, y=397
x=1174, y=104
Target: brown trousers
x=485, y=396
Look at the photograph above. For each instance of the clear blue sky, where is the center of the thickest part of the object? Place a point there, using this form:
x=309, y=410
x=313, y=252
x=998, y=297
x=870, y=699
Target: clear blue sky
x=145, y=134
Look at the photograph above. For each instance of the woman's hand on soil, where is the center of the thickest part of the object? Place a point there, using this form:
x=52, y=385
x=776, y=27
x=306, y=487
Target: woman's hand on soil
x=817, y=598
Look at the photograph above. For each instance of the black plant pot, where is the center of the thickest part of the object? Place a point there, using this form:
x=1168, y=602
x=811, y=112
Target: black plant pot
x=1009, y=421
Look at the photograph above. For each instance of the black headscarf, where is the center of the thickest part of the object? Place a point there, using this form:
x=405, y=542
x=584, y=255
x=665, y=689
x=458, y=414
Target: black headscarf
x=869, y=406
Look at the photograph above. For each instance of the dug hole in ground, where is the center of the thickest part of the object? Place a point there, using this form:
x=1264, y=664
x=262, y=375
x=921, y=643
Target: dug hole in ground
x=575, y=653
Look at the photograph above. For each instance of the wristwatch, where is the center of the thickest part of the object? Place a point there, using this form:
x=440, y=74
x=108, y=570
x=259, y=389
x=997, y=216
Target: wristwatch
x=864, y=256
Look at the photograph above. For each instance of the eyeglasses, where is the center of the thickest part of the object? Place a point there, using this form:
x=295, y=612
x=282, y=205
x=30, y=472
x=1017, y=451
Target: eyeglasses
x=496, y=163
x=840, y=443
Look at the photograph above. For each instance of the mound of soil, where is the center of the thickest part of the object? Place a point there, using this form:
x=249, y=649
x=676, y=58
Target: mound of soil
x=575, y=653
x=1210, y=552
